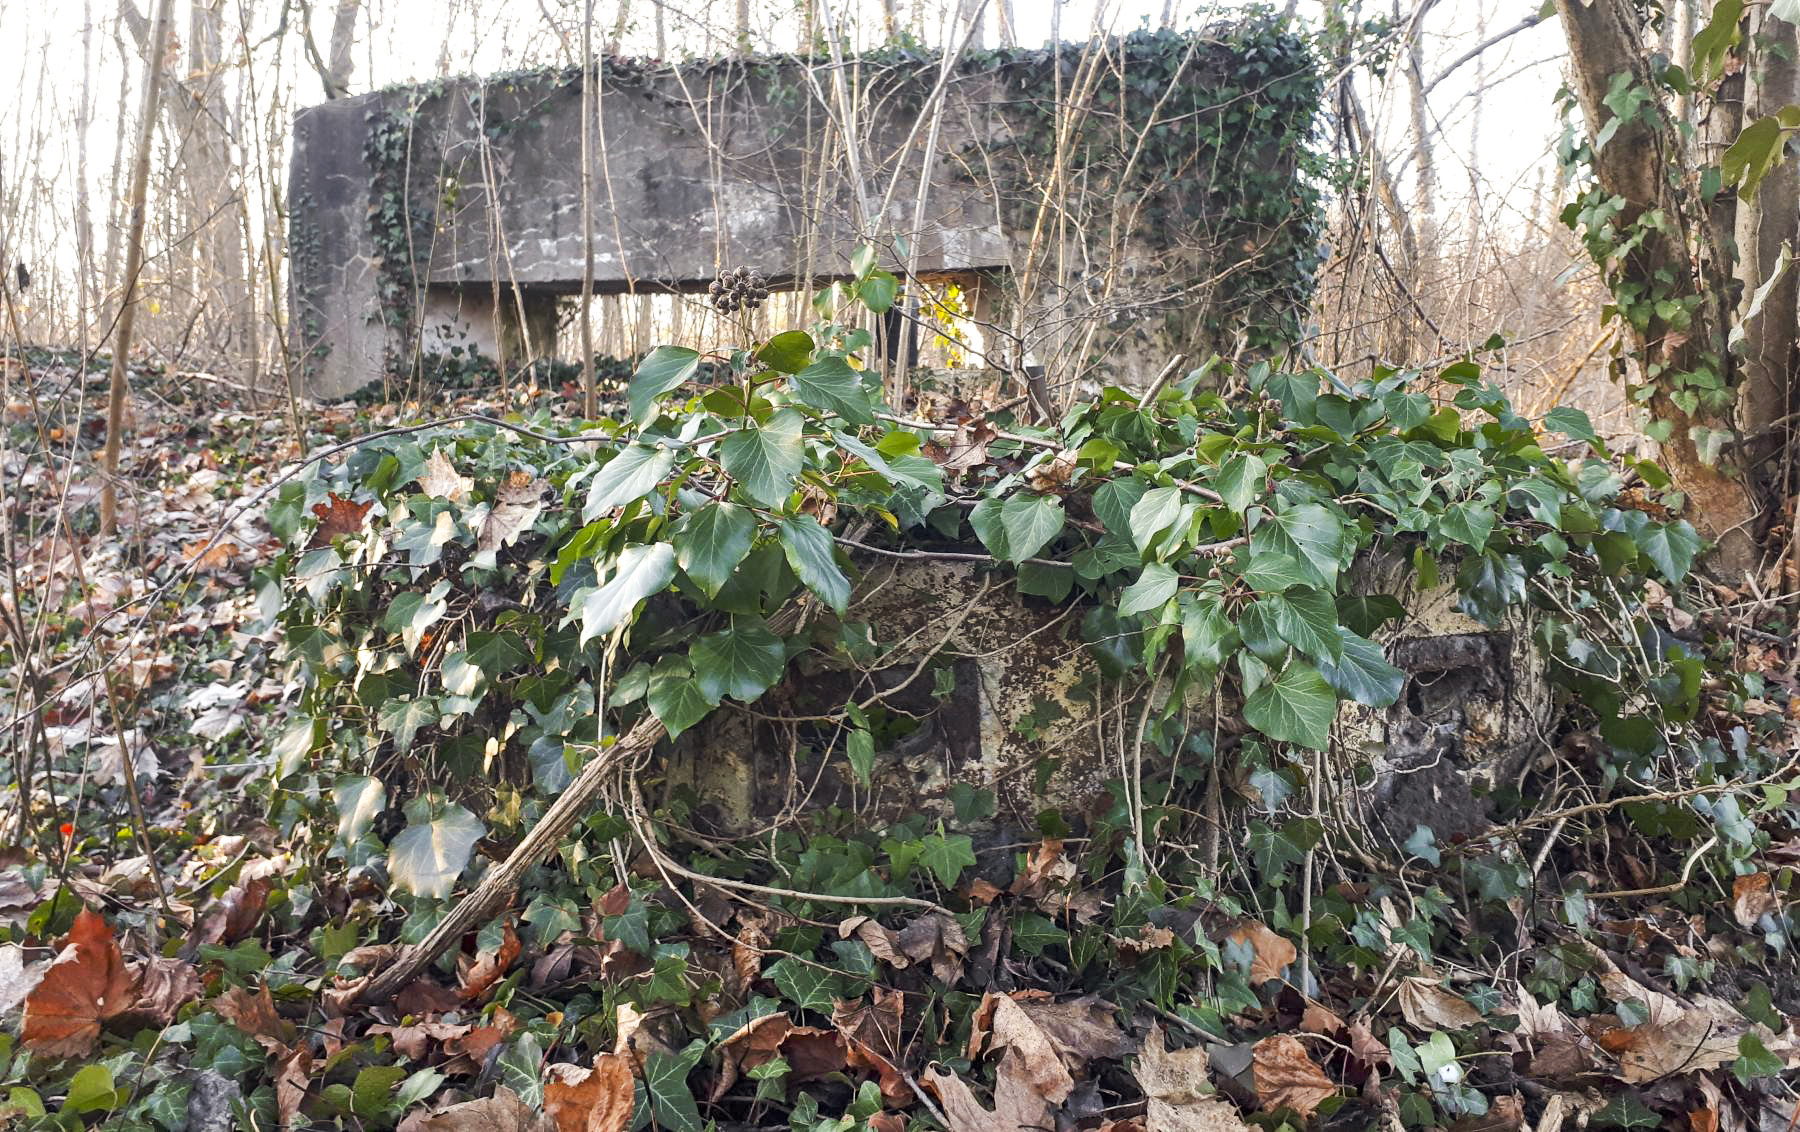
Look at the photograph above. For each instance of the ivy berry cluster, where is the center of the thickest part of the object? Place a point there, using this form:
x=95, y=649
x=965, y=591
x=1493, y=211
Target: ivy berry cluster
x=741, y=289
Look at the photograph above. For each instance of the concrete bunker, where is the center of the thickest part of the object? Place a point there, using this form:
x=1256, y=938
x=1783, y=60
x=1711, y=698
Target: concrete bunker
x=448, y=214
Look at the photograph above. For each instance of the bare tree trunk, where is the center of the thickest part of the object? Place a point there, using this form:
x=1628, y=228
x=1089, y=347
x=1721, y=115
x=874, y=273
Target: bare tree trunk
x=134, y=261
x=662, y=32
x=84, y=220
x=1009, y=25
x=743, y=26
x=1767, y=228
x=1605, y=41
x=343, y=38
x=615, y=40
x=590, y=403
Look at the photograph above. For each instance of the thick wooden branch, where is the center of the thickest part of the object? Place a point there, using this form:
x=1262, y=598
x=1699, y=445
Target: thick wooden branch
x=502, y=881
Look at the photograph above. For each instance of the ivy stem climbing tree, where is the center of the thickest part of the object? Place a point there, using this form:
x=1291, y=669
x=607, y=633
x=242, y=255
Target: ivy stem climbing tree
x=1697, y=258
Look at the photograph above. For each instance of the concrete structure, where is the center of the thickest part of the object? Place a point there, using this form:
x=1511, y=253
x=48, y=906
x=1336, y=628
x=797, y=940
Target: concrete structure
x=450, y=213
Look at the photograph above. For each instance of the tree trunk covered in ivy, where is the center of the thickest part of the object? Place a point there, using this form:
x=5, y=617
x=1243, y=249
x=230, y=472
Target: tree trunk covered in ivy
x=1765, y=226
x=1665, y=269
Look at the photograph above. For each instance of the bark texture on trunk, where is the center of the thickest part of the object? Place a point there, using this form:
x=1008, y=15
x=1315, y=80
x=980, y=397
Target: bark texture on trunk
x=1605, y=40
x=1764, y=227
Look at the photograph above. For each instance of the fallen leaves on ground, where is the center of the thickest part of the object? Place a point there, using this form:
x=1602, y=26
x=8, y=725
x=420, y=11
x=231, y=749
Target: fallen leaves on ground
x=1431, y=1006
x=1017, y=1104
x=502, y=1112
x=1271, y=953
x=87, y=985
x=590, y=1100
x=1287, y=1077
x=1177, y=1092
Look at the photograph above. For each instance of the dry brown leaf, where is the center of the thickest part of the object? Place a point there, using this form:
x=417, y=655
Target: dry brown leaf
x=813, y=1053
x=293, y=1069
x=754, y=1043
x=1178, y=1077
x=871, y=1033
x=210, y=556
x=1046, y=871
x=1017, y=1105
x=1432, y=1007
x=1049, y=1041
x=489, y=967
x=967, y=449
x=1270, y=952
x=414, y=1041
x=164, y=986
x=1315, y=1019
x=879, y=940
x=939, y=940
x=1752, y=898
x=87, y=985
x=1286, y=1077
x=1149, y=938
x=516, y=507
x=1210, y=1115
x=337, y=516
x=502, y=1112
x=234, y=915
x=1505, y=1114
x=590, y=1100
x=255, y=1015
x=17, y=977
x=441, y=480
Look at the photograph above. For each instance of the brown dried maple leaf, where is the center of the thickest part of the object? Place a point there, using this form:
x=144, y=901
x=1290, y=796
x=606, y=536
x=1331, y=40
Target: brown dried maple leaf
x=1286, y=1077
x=337, y=516
x=590, y=1100
x=87, y=985
x=1270, y=952
x=488, y=967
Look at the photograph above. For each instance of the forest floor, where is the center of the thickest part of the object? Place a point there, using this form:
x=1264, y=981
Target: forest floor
x=177, y=949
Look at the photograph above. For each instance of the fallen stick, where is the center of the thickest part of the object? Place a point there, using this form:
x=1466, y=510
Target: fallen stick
x=502, y=881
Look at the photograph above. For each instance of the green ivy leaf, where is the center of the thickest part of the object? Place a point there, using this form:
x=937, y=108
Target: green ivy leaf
x=665, y=1083
x=829, y=384
x=787, y=352
x=1016, y=528
x=428, y=855
x=1672, y=547
x=1572, y=423
x=1296, y=707
x=662, y=369
x=806, y=985
x=1361, y=672
x=811, y=552
x=403, y=717
x=1152, y=590
x=1240, y=480
x=947, y=857
x=638, y=572
x=675, y=697
x=626, y=478
x=859, y=748
x=1153, y=514
x=1308, y=533
x=497, y=654
x=741, y=662
x=766, y=458
x=1308, y=620
x=359, y=798
x=1469, y=523
x=711, y=542
x=878, y=291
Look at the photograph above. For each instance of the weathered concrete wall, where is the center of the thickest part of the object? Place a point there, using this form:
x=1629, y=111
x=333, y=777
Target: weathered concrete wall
x=403, y=200
x=1025, y=715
